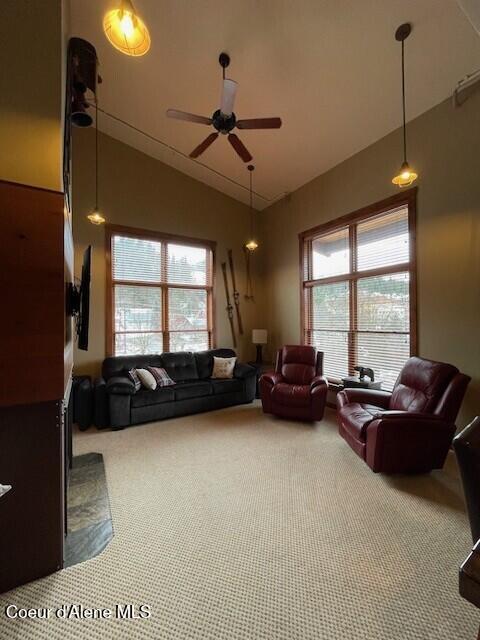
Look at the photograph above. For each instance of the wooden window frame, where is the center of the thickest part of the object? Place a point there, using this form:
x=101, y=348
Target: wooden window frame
x=350, y=222
x=144, y=234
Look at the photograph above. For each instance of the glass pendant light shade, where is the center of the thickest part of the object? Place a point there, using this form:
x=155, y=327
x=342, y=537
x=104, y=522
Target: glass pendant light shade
x=405, y=177
x=96, y=217
x=252, y=244
x=126, y=31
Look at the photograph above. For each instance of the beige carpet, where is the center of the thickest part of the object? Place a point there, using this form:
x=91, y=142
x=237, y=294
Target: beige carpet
x=236, y=526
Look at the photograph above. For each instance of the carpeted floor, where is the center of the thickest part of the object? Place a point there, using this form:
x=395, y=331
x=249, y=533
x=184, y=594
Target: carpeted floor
x=235, y=526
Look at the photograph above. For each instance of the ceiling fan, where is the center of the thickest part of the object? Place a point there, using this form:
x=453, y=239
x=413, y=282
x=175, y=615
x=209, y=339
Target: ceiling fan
x=224, y=120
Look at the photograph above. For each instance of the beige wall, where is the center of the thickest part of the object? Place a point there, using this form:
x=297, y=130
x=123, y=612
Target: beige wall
x=444, y=145
x=31, y=91
x=139, y=191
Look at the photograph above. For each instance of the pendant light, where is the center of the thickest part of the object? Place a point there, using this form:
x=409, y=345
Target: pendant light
x=406, y=175
x=252, y=244
x=96, y=217
x=126, y=31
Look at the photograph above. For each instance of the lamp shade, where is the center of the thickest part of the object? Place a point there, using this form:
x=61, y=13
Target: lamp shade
x=259, y=336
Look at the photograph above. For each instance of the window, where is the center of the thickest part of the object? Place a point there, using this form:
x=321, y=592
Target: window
x=160, y=292
x=358, y=289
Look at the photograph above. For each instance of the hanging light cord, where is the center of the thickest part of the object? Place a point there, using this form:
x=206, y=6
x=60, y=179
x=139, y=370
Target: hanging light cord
x=403, y=102
x=275, y=198
x=96, y=153
x=251, y=205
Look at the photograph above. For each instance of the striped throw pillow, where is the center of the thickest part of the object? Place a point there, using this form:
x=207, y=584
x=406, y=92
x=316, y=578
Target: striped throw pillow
x=133, y=375
x=161, y=376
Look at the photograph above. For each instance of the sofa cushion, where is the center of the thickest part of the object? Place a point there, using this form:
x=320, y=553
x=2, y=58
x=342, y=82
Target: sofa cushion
x=204, y=360
x=161, y=376
x=147, y=379
x=356, y=417
x=226, y=386
x=187, y=390
x=292, y=395
x=180, y=366
x=223, y=368
x=158, y=396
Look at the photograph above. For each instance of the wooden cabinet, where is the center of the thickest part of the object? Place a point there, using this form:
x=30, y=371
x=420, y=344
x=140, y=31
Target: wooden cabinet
x=36, y=262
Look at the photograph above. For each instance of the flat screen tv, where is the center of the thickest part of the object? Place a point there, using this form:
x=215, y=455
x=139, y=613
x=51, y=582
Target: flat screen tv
x=84, y=301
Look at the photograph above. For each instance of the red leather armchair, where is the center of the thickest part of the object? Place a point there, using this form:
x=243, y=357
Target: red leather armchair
x=297, y=388
x=409, y=430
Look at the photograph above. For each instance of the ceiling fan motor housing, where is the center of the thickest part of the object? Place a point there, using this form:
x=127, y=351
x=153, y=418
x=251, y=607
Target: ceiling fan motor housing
x=223, y=124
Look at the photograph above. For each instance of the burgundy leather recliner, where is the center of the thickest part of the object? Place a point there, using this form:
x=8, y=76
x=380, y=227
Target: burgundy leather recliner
x=409, y=430
x=297, y=388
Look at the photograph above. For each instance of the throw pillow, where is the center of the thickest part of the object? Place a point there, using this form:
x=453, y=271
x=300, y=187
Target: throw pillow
x=132, y=374
x=223, y=367
x=161, y=376
x=147, y=380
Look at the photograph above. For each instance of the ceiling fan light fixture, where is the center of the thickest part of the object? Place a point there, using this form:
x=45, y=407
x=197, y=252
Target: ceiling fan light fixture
x=126, y=31
x=251, y=245
x=405, y=177
x=224, y=119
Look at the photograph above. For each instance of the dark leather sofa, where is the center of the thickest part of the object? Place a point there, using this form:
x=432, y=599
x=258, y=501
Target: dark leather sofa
x=117, y=405
x=409, y=430
x=297, y=388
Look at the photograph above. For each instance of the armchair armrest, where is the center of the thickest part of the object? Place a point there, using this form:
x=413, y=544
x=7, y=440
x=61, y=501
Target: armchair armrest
x=403, y=442
x=271, y=378
x=318, y=381
x=120, y=385
x=364, y=396
x=243, y=370
x=410, y=416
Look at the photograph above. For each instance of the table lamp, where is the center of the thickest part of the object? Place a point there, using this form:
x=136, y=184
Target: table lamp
x=259, y=338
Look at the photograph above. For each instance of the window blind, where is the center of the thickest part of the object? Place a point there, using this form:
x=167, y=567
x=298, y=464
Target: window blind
x=357, y=293
x=161, y=295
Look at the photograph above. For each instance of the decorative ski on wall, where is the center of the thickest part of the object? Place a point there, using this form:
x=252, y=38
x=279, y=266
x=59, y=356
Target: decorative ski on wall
x=236, y=295
x=229, y=306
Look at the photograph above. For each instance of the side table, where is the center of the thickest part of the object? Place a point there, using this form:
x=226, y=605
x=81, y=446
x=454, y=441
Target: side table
x=260, y=367
x=355, y=382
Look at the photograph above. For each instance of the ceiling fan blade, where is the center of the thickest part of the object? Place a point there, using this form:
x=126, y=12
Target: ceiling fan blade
x=189, y=117
x=239, y=147
x=229, y=91
x=204, y=145
x=260, y=123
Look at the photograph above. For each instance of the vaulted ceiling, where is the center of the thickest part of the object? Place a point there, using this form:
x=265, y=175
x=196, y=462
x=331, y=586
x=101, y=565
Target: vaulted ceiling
x=329, y=68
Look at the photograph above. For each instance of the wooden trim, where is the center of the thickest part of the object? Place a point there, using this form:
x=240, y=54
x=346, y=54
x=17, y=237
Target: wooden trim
x=158, y=235
x=360, y=275
x=212, y=300
x=163, y=285
x=404, y=198
x=109, y=346
x=165, y=300
x=352, y=298
x=303, y=299
x=12, y=183
x=412, y=227
x=350, y=221
x=156, y=285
